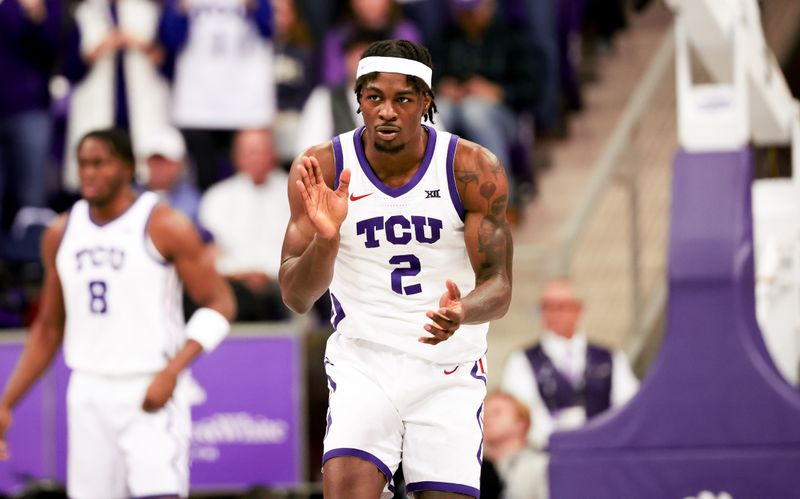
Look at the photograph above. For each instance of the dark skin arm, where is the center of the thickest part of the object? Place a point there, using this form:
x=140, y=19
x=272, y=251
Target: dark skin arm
x=483, y=188
x=44, y=337
x=177, y=240
x=312, y=235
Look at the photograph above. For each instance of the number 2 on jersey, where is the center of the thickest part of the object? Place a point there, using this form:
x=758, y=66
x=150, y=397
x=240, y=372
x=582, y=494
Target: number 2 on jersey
x=413, y=269
x=97, y=297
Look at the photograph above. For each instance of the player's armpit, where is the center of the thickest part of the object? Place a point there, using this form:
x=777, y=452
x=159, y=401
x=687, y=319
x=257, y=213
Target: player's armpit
x=176, y=238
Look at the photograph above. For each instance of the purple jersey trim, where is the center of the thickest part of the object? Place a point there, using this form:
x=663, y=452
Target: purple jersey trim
x=103, y=224
x=389, y=191
x=338, y=312
x=366, y=456
x=338, y=160
x=444, y=487
x=451, y=177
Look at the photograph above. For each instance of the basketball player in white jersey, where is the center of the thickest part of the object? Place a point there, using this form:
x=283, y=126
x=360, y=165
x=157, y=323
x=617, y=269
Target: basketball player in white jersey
x=112, y=292
x=406, y=226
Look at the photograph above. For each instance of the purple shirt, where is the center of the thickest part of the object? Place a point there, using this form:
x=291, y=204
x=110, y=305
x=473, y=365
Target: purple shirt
x=27, y=54
x=333, y=64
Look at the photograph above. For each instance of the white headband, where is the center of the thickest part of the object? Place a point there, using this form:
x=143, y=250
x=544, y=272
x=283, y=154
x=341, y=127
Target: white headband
x=394, y=65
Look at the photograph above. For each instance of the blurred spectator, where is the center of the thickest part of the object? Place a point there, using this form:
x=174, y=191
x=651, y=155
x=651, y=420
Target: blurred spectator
x=333, y=110
x=165, y=151
x=247, y=214
x=539, y=21
x=565, y=380
x=223, y=75
x=484, y=77
x=30, y=33
x=115, y=60
x=429, y=16
x=383, y=17
x=522, y=469
x=295, y=73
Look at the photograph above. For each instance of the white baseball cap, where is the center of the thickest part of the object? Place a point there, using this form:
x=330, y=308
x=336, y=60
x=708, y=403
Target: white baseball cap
x=167, y=142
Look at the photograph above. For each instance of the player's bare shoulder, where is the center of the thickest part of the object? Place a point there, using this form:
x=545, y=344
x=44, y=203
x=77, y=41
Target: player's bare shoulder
x=51, y=239
x=170, y=230
x=480, y=179
x=324, y=155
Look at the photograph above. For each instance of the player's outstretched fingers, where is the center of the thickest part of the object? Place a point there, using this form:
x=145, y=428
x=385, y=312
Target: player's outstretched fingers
x=438, y=334
x=318, y=177
x=344, y=183
x=442, y=319
x=452, y=287
x=4, y=455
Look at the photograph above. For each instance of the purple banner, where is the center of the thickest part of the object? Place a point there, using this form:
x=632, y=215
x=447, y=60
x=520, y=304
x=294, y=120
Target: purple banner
x=25, y=438
x=247, y=432
x=246, y=418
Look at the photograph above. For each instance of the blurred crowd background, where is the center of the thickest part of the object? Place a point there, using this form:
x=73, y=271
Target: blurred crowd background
x=220, y=95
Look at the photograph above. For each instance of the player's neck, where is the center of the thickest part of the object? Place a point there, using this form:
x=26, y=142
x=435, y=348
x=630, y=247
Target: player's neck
x=116, y=206
x=395, y=169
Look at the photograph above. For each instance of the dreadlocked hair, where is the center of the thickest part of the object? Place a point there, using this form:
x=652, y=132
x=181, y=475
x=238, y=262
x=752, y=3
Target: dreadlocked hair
x=404, y=50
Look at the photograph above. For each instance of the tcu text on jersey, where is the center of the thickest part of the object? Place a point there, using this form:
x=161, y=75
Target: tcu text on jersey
x=99, y=256
x=398, y=229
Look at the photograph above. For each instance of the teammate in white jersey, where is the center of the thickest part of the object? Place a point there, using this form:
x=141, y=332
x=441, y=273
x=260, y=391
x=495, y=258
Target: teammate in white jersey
x=406, y=225
x=112, y=292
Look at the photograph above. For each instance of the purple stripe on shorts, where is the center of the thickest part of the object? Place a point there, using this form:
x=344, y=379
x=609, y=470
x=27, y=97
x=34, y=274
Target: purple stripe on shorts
x=328, y=422
x=451, y=177
x=171, y=495
x=480, y=447
x=444, y=487
x=338, y=312
x=337, y=160
x=474, y=373
x=366, y=456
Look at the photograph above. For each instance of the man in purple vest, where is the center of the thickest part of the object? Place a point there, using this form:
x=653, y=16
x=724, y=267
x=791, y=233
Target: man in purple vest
x=564, y=379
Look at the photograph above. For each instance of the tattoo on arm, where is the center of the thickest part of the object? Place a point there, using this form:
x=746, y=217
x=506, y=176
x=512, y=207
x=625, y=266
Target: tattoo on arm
x=466, y=177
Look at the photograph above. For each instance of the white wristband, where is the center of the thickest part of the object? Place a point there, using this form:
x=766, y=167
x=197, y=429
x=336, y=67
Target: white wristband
x=207, y=327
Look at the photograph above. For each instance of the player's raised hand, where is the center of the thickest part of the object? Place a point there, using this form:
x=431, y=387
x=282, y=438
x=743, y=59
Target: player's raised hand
x=159, y=391
x=5, y=422
x=325, y=207
x=446, y=320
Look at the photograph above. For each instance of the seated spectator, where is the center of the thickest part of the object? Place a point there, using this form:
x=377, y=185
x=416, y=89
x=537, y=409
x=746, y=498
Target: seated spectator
x=331, y=110
x=247, y=215
x=165, y=153
x=483, y=78
x=564, y=379
x=522, y=469
x=29, y=47
x=384, y=18
x=295, y=73
x=223, y=75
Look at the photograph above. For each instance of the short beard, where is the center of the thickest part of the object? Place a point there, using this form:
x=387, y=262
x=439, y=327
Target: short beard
x=389, y=150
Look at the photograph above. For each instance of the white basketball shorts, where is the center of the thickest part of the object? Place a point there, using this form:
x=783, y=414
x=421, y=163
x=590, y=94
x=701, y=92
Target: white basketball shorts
x=115, y=449
x=386, y=407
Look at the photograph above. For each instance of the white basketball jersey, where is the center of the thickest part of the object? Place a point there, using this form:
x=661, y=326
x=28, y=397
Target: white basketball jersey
x=397, y=249
x=123, y=301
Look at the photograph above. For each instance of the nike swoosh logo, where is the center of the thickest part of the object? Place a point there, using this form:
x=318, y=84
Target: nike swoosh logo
x=356, y=198
x=450, y=372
